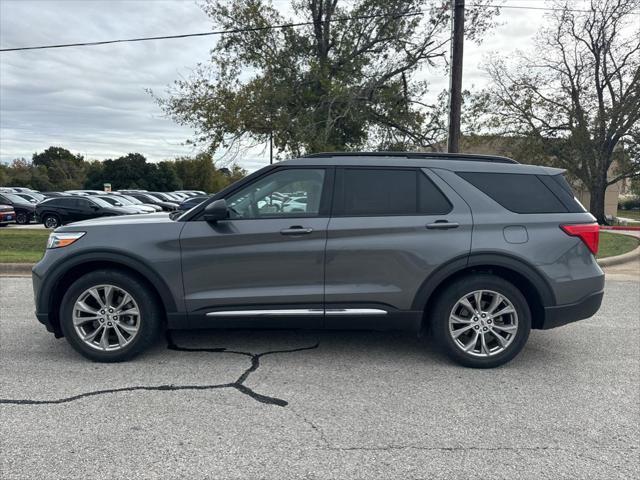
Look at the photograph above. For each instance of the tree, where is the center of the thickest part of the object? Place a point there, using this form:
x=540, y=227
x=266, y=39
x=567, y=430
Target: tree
x=200, y=173
x=63, y=169
x=347, y=79
x=132, y=171
x=577, y=98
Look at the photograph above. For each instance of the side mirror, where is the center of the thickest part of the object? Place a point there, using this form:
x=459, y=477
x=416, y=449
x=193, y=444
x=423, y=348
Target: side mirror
x=216, y=211
x=95, y=207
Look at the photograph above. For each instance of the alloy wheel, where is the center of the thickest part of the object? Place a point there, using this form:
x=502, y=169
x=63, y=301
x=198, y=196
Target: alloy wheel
x=483, y=323
x=51, y=222
x=106, y=317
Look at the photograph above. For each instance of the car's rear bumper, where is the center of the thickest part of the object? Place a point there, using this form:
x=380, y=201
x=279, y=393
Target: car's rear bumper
x=563, y=314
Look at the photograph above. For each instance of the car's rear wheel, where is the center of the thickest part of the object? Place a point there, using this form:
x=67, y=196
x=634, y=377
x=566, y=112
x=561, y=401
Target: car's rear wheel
x=481, y=321
x=51, y=221
x=110, y=316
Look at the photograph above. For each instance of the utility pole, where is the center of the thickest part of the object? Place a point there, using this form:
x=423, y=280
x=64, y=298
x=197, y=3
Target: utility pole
x=455, y=86
x=271, y=147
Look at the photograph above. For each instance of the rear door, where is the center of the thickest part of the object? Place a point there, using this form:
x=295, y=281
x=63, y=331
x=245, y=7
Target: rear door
x=390, y=229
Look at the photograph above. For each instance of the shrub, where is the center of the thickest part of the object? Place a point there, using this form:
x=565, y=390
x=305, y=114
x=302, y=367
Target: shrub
x=629, y=202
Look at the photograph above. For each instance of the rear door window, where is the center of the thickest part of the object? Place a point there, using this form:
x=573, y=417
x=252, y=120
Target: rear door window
x=387, y=192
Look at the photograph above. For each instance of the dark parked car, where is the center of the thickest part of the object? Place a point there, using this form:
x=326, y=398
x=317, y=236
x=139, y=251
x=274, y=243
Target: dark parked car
x=7, y=215
x=192, y=202
x=476, y=250
x=54, y=212
x=55, y=194
x=148, y=198
x=24, y=210
x=31, y=197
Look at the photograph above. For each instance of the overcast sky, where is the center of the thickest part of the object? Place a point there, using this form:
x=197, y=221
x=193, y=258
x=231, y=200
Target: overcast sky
x=93, y=101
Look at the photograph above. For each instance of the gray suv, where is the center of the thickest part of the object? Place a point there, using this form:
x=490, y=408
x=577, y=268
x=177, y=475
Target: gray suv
x=476, y=250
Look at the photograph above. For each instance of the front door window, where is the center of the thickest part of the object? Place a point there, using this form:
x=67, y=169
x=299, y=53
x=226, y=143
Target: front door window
x=284, y=193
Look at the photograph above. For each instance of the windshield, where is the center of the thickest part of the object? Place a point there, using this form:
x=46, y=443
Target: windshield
x=12, y=197
x=109, y=200
x=131, y=199
x=121, y=199
x=100, y=202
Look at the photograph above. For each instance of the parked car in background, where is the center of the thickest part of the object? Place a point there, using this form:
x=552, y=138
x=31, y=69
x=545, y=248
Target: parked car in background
x=295, y=204
x=23, y=189
x=85, y=192
x=54, y=212
x=55, y=194
x=118, y=201
x=192, y=193
x=167, y=197
x=192, y=202
x=33, y=197
x=7, y=215
x=24, y=210
x=148, y=198
x=135, y=201
x=7, y=190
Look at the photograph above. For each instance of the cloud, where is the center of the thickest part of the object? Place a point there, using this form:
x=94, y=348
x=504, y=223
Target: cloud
x=93, y=100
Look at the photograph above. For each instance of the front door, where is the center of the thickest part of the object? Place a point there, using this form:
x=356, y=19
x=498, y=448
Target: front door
x=265, y=264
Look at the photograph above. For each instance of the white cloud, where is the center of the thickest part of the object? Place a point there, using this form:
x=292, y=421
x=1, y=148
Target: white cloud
x=93, y=100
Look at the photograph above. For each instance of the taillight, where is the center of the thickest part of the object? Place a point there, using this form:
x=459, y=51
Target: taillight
x=589, y=233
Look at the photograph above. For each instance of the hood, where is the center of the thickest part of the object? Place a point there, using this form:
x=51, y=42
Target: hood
x=119, y=220
x=31, y=207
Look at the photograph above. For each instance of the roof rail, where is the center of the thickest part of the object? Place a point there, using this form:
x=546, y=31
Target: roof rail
x=467, y=157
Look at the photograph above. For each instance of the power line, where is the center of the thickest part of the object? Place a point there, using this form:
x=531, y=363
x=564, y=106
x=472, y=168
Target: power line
x=550, y=9
x=272, y=27
x=215, y=32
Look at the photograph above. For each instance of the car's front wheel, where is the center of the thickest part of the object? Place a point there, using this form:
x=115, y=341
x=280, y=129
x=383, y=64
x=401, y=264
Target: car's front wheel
x=110, y=316
x=51, y=221
x=481, y=321
x=22, y=218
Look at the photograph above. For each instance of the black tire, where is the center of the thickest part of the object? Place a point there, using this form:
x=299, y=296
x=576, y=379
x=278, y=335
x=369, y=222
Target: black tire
x=22, y=218
x=3, y=225
x=51, y=220
x=448, y=299
x=150, y=319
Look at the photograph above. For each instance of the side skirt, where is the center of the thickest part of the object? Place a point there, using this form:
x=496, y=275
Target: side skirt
x=360, y=318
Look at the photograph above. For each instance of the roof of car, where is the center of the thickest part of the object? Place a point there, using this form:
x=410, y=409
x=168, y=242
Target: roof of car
x=459, y=162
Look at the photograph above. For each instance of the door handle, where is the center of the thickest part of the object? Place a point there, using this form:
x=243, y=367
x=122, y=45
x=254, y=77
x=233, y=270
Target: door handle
x=296, y=230
x=442, y=225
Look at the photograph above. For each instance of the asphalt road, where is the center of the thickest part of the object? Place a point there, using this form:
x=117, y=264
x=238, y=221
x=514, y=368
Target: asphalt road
x=348, y=405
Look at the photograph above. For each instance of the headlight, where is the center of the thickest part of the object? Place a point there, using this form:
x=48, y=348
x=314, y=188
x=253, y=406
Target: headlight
x=59, y=240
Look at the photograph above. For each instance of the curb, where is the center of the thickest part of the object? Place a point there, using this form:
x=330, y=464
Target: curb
x=632, y=228
x=21, y=269
x=619, y=259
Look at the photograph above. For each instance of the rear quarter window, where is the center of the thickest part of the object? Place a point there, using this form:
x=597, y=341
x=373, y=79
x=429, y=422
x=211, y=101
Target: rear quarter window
x=520, y=193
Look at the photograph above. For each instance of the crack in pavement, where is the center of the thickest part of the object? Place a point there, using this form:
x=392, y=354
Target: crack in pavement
x=238, y=385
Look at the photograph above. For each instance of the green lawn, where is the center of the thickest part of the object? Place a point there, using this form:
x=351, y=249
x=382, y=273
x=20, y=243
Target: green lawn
x=615, y=244
x=27, y=246
x=632, y=214
x=22, y=246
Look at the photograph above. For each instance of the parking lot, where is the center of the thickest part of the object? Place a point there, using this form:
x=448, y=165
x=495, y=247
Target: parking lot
x=278, y=404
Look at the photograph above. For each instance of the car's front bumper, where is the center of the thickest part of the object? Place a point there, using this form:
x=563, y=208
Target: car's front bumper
x=563, y=314
x=6, y=217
